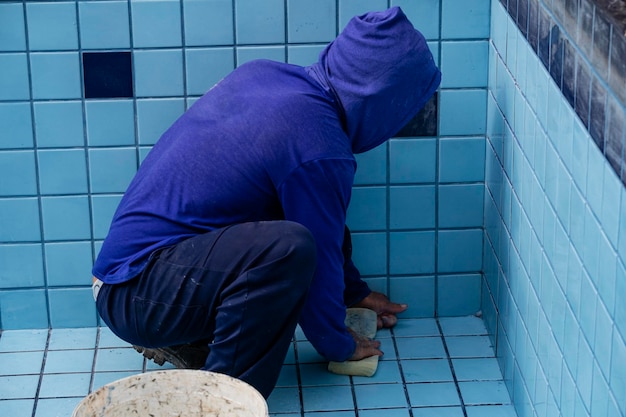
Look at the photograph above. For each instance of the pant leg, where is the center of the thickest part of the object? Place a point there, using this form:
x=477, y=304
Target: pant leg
x=242, y=287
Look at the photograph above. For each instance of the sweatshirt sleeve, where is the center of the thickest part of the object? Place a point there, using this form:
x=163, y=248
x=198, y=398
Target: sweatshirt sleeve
x=356, y=289
x=316, y=195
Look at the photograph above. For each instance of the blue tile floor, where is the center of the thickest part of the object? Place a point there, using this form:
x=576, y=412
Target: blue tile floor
x=432, y=367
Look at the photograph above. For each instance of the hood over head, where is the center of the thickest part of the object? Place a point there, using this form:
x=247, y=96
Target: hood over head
x=381, y=72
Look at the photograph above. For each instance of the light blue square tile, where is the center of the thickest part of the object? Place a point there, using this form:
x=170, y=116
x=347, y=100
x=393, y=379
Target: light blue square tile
x=17, y=173
x=83, y=338
x=461, y=205
x=484, y=392
x=465, y=19
x=15, y=123
x=311, y=22
x=458, y=294
x=14, y=80
x=329, y=398
x=156, y=23
x=59, y=124
x=62, y=171
x=433, y=395
x=72, y=307
x=12, y=32
x=69, y=361
x=584, y=373
x=477, y=369
x=491, y=411
x=463, y=326
x=17, y=408
x=460, y=250
x=205, y=67
x=391, y=412
x=155, y=116
x=110, y=122
x=350, y=8
x=55, y=75
x=284, y=400
x=66, y=218
x=387, y=372
x=372, y=166
x=20, y=363
x=23, y=309
x=65, y=385
x=19, y=220
x=22, y=266
x=107, y=339
x=619, y=314
x=418, y=292
x=611, y=196
x=438, y=412
x=104, y=25
x=462, y=112
x=307, y=353
x=317, y=374
x=461, y=160
x=121, y=359
x=103, y=208
x=288, y=376
x=52, y=407
x=465, y=64
x=250, y=53
x=412, y=252
x=208, y=23
x=369, y=252
x=618, y=374
x=412, y=160
x=52, y=26
x=416, y=327
x=420, y=348
x=101, y=379
x=23, y=340
x=580, y=155
x=158, y=73
x=380, y=396
x=111, y=170
x=427, y=370
x=368, y=209
x=412, y=207
x=424, y=14
x=469, y=346
x=18, y=386
x=303, y=55
x=260, y=23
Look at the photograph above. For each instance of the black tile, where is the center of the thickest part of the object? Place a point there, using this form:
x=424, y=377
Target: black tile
x=545, y=37
x=556, y=55
x=601, y=39
x=107, y=74
x=617, y=78
x=424, y=123
x=522, y=16
x=569, y=72
x=597, y=112
x=583, y=86
x=533, y=23
x=615, y=135
x=585, y=26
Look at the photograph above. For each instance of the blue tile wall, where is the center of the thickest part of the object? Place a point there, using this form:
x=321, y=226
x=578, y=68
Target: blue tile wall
x=554, y=212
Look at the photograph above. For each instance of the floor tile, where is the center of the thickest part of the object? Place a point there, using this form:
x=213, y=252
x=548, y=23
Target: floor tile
x=69, y=361
x=462, y=326
x=392, y=412
x=306, y=353
x=490, y=411
x=438, y=412
x=18, y=387
x=284, y=400
x=120, y=359
x=433, y=394
x=420, y=348
x=288, y=376
x=64, y=385
x=100, y=379
x=55, y=407
x=73, y=338
x=416, y=327
x=387, y=372
x=484, y=393
x=469, y=347
x=315, y=374
x=21, y=363
x=327, y=414
x=427, y=370
x=108, y=339
x=388, y=349
x=329, y=398
x=23, y=340
x=380, y=396
x=17, y=408
x=479, y=369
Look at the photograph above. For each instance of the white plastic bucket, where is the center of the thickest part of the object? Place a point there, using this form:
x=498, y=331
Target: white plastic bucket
x=174, y=393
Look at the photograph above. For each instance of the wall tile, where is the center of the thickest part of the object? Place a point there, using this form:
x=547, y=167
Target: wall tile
x=463, y=112
x=412, y=160
x=110, y=122
x=458, y=295
x=111, y=170
x=459, y=250
x=372, y=166
x=68, y=263
x=19, y=220
x=64, y=302
x=424, y=14
x=158, y=73
x=104, y=25
x=156, y=23
x=23, y=309
x=464, y=64
x=205, y=67
x=52, y=26
x=12, y=32
x=16, y=125
x=368, y=209
x=65, y=218
x=103, y=208
x=17, y=173
x=311, y=22
x=370, y=253
x=412, y=252
x=412, y=207
x=59, y=124
x=350, y=8
x=303, y=55
x=14, y=82
x=21, y=266
x=461, y=205
x=462, y=19
x=208, y=23
x=107, y=74
x=155, y=116
x=55, y=75
x=260, y=23
x=249, y=53
x=418, y=292
x=62, y=171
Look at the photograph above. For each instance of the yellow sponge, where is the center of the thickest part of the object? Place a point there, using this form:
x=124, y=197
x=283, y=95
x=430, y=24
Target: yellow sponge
x=364, y=322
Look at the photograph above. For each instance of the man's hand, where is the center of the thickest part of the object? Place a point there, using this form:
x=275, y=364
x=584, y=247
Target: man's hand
x=385, y=309
x=365, y=347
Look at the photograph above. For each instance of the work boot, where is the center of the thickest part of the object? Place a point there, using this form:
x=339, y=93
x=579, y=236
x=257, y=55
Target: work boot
x=187, y=356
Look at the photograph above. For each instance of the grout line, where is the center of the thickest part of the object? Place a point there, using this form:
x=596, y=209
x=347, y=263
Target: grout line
x=456, y=382
x=41, y=374
x=402, y=378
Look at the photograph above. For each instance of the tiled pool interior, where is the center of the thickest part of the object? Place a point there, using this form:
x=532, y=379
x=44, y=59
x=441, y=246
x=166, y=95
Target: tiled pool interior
x=505, y=197
x=431, y=367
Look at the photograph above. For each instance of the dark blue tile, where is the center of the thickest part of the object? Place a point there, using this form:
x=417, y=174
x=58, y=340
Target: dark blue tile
x=512, y=9
x=424, y=123
x=601, y=40
x=583, y=86
x=569, y=72
x=614, y=138
x=544, y=37
x=570, y=17
x=617, y=78
x=597, y=112
x=533, y=24
x=107, y=74
x=585, y=25
x=556, y=54
x=522, y=16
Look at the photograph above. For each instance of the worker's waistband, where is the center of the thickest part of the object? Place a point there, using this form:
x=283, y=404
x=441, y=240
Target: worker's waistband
x=95, y=288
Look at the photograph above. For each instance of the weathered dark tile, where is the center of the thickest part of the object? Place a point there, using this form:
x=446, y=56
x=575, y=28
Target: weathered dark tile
x=597, y=112
x=569, y=72
x=424, y=123
x=617, y=77
x=522, y=16
x=504, y=3
x=558, y=8
x=570, y=17
x=585, y=26
x=601, y=40
x=583, y=86
x=533, y=23
x=556, y=55
x=543, y=50
x=616, y=135
x=512, y=8
x=107, y=74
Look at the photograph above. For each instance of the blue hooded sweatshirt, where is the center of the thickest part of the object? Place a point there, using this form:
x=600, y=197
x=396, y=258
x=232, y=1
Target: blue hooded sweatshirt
x=275, y=141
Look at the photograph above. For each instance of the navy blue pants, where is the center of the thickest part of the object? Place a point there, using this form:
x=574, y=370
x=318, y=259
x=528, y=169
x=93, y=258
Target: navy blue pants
x=242, y=287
